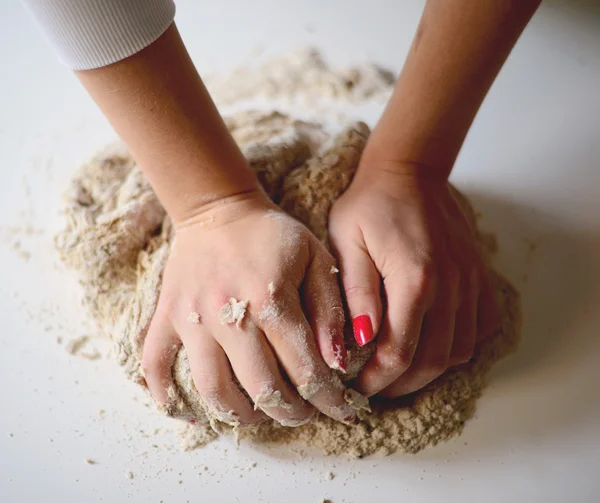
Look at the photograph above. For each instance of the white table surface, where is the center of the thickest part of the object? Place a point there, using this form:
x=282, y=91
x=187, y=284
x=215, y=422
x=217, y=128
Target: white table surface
x=531, y=165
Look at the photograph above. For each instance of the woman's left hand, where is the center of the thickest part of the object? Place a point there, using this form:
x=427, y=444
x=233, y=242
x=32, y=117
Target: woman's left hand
x=403, y=241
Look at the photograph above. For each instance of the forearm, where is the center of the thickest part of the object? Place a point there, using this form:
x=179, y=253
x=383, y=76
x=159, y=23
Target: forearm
x=159, y=106
x=458, y=50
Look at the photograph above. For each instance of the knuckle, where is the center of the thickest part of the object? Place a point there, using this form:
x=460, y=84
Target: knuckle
x=306, y=372
x=219, y=299
x=210, y=386
x=359, y=291
x=423, y=279
x=394, y=359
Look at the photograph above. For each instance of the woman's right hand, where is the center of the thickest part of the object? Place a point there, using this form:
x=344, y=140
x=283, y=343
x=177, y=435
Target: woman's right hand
x=239, y=249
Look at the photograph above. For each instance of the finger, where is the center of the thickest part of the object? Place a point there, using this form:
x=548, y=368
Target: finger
x=408, y=297
x=256, y=367
x=433, y=352
x=160, y=350
x=361, y=282
x=292, y=340
x=488, y=318
x=323, y=305
x=465, y=325
x=214, y=379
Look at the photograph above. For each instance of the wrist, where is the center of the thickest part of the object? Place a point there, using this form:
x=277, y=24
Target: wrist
x=214, y=211
x=384, y=154
x=378, y=161
x=189, y=189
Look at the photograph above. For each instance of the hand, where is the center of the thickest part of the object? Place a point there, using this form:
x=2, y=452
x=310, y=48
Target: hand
x=242, y=249
x=400, y=229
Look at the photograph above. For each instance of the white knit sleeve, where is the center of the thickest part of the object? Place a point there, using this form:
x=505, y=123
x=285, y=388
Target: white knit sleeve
x=93, y=33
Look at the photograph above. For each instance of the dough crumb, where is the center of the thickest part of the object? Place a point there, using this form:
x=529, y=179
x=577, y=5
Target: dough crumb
x=271, y=288
x=90, y=461
x=194, y=318
x=233, y=312
x=75, y=345
x=129, y=475
x=334, y=270
x=269, y=398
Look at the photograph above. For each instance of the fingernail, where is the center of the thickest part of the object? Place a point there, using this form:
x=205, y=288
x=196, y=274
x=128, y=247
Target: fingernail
x=339, y=352
x=363, y=329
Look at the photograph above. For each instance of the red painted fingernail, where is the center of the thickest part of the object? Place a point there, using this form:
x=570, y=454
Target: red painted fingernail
x=363, y=329
x=339, y=352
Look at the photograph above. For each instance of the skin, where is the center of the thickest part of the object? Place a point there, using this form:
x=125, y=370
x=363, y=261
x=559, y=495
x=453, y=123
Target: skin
x=231, y=241
x=398, y=231
x=397, y=226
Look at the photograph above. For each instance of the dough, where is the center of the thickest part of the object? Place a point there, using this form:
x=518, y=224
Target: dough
x=118, y=238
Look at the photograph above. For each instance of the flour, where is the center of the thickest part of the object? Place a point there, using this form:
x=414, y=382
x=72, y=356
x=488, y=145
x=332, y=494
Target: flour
x=118, y=237
x=302, y=75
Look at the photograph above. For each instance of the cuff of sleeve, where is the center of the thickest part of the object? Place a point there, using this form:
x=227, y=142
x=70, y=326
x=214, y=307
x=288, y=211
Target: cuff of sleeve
x=90, y=34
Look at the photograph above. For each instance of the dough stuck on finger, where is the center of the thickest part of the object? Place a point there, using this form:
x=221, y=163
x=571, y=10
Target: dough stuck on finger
x=269, y=398
x=310, y=389
x=233, y=312
x=295, y=423
x=357, y=401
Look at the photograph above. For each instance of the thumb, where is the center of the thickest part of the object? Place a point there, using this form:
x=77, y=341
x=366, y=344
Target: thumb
x=362, y=286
